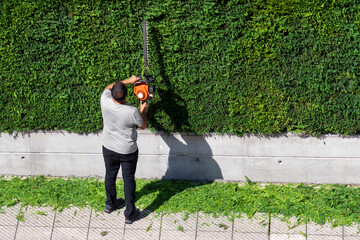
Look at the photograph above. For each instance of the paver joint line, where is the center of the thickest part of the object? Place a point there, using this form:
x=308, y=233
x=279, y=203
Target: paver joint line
x=87, y=235
x=160, y=226
x=124, y=231
x=232, y=229
x=197, y=223
x=53, y=225
x=269, y=227
x=17, y=226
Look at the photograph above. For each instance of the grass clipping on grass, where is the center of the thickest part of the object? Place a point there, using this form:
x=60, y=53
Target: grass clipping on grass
x=335, y=204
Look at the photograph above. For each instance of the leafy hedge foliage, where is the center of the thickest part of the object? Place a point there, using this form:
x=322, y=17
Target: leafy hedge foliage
x=237, y=66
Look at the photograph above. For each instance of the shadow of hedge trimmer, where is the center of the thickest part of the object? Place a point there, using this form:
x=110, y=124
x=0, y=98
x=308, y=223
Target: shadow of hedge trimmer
x=143, y=90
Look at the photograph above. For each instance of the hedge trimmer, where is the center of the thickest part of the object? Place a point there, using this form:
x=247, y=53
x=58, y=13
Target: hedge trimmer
x=142, y=89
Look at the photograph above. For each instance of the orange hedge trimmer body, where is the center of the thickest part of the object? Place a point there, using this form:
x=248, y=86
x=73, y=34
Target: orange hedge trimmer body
x=143, y=90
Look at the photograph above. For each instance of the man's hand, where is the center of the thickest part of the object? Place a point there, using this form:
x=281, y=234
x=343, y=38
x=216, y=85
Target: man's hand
x=144, y=107
x=132, y=80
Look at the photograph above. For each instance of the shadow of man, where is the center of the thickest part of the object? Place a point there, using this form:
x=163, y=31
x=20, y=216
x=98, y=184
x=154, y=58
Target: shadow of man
x=190, y=160
x=190, y=165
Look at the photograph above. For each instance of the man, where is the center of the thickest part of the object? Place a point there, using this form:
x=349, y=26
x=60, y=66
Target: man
x=119, y=144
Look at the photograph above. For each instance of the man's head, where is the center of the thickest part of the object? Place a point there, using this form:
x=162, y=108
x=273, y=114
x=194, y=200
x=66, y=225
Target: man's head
x=119, y=92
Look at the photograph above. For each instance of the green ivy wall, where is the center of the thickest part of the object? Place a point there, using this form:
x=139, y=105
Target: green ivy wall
x=237, y=66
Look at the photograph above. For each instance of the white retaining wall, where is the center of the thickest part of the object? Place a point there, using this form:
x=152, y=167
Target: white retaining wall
x=285, y=158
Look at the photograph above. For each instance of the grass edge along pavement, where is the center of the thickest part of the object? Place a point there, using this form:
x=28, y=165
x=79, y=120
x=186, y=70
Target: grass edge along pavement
x=334, y=204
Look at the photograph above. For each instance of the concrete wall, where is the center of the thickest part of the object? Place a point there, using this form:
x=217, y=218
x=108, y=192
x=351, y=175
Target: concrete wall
x=286, y=158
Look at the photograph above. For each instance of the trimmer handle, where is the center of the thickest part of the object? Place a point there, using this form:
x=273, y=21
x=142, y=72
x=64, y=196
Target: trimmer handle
x=146, y=78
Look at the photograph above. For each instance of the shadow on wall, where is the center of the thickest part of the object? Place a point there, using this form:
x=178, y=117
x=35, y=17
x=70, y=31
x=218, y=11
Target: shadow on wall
x=190, y=158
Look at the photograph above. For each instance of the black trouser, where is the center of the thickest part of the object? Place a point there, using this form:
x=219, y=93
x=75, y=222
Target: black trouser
x=128, y=163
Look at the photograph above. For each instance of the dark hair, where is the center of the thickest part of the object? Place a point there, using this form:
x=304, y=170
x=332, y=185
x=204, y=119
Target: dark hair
x=119, y=92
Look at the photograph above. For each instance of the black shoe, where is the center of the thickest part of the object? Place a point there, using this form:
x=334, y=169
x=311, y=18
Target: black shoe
x=110, y=208
x=133, y=217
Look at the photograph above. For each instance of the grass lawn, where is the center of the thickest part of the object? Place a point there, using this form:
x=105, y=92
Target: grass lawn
x=336, y=204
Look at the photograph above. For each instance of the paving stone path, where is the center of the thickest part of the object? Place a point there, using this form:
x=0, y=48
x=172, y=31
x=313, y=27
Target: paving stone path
x=83, y=223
